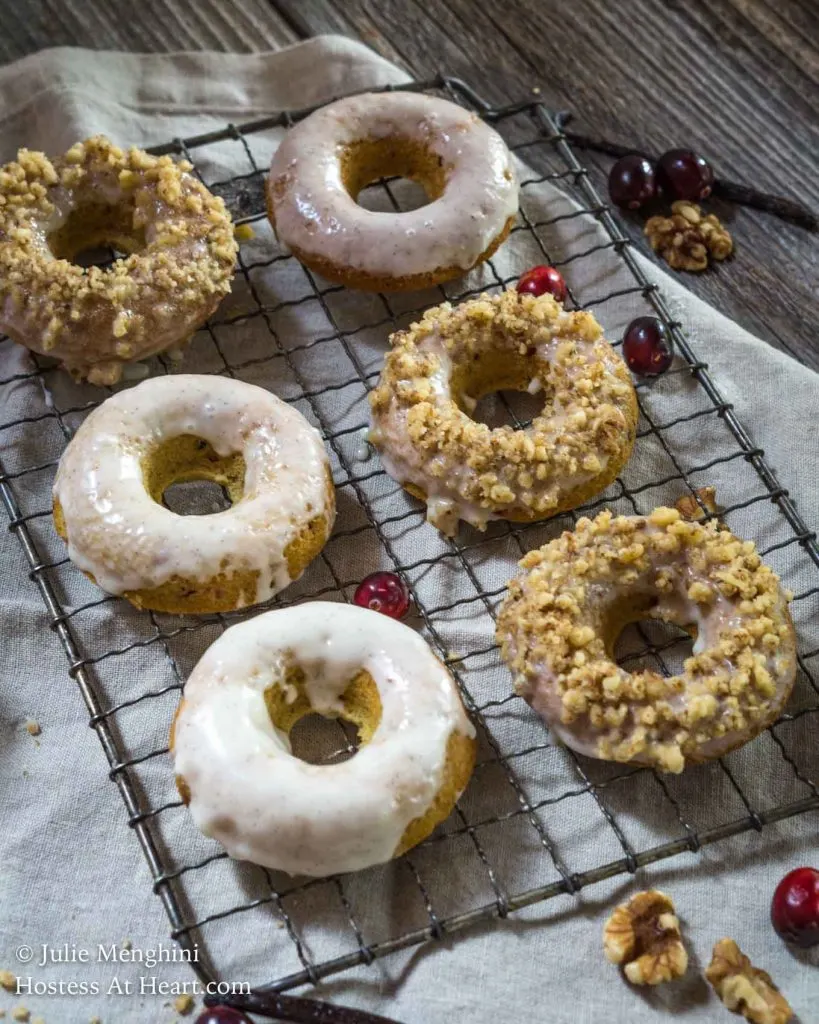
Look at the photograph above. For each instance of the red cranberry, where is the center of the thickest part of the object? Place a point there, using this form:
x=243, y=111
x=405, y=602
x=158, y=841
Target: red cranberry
x=222, y=1015
x=646, y=346
x=540, y=280
x=795, y=907
x=683, y=174
x=383, y=592
x=631, y=181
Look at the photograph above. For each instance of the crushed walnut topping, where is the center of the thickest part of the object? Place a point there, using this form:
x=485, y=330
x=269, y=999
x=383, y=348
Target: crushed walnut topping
x=561, y=617
x=179, y=240
x=745, y=989
x=439, y=368
x=687, y=239
x=8, y=981
x=643, y=936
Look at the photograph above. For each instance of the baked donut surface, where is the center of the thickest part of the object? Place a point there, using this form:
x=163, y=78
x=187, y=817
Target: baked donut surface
x=437, y=370
x=177, y=236
x=562, y=617
x=233, y=759
x=325, y=160
x=112, y=476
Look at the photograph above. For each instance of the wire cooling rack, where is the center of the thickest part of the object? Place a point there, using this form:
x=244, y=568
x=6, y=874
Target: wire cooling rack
x=537, y=821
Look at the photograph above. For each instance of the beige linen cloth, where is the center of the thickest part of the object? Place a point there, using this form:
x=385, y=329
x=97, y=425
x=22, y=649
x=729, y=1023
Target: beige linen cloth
x=70, y=870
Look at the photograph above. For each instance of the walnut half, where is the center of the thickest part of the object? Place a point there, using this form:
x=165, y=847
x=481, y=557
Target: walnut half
x=690, y=508
x=745, y=989
x=643, y=936
x=686, y=239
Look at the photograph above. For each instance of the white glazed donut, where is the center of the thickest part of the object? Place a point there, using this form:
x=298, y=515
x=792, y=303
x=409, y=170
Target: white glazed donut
x=116, y=468
x=324, y=161
x=233, y=758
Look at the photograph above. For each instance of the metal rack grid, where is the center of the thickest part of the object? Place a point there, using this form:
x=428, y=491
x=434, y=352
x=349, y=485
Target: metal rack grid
x=516, y=798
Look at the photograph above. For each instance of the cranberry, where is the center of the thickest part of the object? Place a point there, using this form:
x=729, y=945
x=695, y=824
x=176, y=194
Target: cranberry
x=222, y=1015
x=795, y=907
x=631, y=181
x=646, y=346
x=383, y=592
x=683, y=174
x=540, y=280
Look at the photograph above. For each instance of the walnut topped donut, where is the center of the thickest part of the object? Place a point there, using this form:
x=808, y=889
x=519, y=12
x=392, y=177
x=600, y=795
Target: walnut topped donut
x=562, y=616
x=463, y=165
x=177, y=236
x=439, y=368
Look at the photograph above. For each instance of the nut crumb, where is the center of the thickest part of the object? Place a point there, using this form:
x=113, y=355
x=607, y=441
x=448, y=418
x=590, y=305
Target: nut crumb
x=95, y=1020
x=32, y=727
x=38, y=1020
x=691, y=509
x=687, y=239
x=184, y=1004
x=21, y=1013
x=643, y=936
x=8, y=981
x=127, y=944
x=745, y=989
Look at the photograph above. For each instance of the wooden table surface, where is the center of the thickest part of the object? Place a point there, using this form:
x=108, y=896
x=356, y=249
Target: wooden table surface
x=738, y=80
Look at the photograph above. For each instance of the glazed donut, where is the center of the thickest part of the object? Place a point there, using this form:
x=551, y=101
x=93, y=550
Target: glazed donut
x=233, y=759
x=439, y=368
x=178, y=237
x=324, y=161
x=561, y=618
x=112, y=476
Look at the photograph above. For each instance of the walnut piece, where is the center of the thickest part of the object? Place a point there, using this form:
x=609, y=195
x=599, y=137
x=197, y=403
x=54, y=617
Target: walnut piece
x=745, y=989
x=643, y=936
x=686, y=239
x=692, y=510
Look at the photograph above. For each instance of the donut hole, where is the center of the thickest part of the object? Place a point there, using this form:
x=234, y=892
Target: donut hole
x=96, y=234
x=196, y=498
x=500, y=391
x=507, y=408
x=187, y=476
x=319, y=740
x=647, y=645
x=321, y=737
x=422, y=173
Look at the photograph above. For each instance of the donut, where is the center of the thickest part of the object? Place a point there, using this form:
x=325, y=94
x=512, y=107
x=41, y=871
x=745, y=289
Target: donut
x=437, y=370
x=463, y=165
x=177, y=237
x=116, y=468
x=560, y=620
x=232, y=754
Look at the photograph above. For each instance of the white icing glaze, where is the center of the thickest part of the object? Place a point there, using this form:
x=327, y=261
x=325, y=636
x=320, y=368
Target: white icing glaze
x=263, y=804
x=315, y=214
x=127, y=541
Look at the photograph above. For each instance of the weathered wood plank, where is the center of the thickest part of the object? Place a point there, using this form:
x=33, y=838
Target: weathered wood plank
x=158, y=26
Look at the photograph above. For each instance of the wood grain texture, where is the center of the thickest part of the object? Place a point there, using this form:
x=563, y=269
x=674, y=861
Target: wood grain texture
x=154, y=26
x=736, y=79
